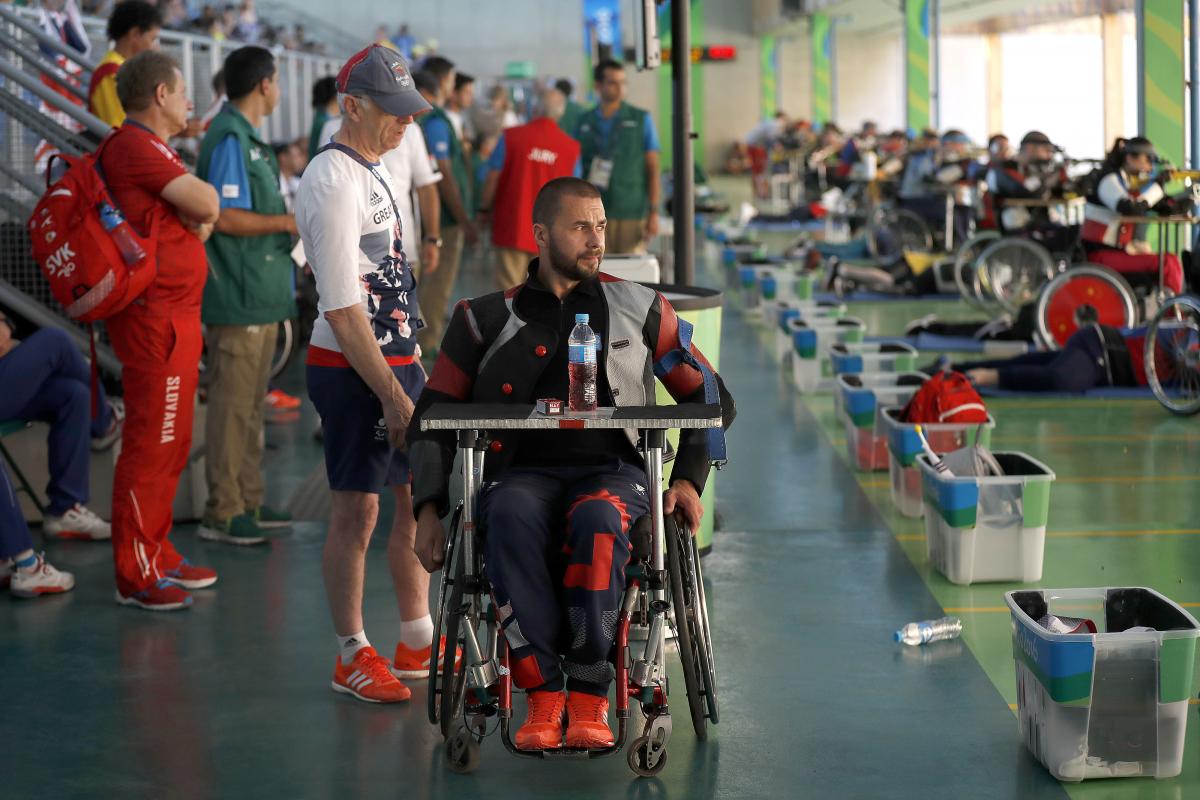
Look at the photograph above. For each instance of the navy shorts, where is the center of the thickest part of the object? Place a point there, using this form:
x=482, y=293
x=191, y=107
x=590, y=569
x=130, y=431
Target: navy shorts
x=358, y=457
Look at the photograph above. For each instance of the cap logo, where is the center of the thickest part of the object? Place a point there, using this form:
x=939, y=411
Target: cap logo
x=402, y=76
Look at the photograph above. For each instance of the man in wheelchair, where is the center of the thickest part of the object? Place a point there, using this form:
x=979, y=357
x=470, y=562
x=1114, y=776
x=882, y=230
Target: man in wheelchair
x=1034, y=174
x=557, y=506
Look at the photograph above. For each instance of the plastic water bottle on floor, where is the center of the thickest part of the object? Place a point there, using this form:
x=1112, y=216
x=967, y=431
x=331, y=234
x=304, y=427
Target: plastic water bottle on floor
x=582, y=346
x=933, y=630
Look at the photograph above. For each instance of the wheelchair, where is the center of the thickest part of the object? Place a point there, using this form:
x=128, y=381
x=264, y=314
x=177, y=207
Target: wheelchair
x=470, y=698
x=1172, y=355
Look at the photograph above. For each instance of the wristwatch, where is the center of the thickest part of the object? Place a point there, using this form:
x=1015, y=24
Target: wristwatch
x=436, y=241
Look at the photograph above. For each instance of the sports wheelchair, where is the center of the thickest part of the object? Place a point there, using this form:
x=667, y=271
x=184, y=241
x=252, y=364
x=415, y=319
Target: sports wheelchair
x=664, y=588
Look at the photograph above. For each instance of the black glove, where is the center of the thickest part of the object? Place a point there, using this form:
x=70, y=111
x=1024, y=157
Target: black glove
x=1129, y=207
x=1164, y=177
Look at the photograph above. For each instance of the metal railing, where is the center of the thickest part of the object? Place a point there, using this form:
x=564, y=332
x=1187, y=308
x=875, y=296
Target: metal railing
x=32, y=113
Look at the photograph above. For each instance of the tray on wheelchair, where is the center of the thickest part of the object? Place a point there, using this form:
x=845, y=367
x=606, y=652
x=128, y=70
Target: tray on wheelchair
x=508, y=416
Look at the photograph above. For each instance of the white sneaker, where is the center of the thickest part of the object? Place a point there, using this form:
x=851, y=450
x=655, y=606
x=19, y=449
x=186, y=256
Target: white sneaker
x=6, y=571
x=78, y=523
x=42, y=579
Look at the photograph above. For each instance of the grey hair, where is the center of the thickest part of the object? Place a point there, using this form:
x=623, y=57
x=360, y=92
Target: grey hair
x=363, y=101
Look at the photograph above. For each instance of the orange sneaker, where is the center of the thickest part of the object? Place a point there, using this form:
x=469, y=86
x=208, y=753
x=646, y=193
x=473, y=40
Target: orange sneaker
x=367, y=677
x=543, y=728
x=414, y=664
x=279, y=400
x=587, y=726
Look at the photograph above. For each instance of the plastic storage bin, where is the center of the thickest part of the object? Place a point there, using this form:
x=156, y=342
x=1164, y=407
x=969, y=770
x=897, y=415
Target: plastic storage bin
x=858, y=402
x=782, y=313
x=986, y=528
x=873, y=357
x=811, y=341
x=904, y=446
x=1108, y=704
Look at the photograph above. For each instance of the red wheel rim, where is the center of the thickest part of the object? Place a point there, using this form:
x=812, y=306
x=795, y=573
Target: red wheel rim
x=1085, y=290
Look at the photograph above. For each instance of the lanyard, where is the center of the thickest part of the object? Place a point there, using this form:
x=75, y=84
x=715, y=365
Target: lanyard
x=352, y=153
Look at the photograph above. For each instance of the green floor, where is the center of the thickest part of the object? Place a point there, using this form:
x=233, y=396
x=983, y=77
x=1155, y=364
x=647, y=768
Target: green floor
x=810, y=575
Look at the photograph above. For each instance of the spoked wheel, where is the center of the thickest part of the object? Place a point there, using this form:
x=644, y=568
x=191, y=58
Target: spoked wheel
x=1083, y=295
x=1173, y=355
x=695, y=649
x=645, y=759
x=894, y=230
x=964, y=265
x=448, y=680
x=285, y=347
x=1013, y=271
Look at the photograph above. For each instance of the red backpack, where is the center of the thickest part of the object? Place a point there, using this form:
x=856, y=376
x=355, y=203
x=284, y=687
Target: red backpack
x=95, y=262
x=947, y=397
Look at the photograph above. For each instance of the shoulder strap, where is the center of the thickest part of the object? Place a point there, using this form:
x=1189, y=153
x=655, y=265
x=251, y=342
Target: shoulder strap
x=369, y=167
x=683, y=355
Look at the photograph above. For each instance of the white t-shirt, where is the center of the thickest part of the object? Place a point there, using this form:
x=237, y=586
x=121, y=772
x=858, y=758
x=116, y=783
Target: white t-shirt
x=411, y=168
x=353, y=244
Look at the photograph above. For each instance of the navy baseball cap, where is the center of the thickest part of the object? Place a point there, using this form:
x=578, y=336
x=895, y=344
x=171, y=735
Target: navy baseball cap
x=382, y=74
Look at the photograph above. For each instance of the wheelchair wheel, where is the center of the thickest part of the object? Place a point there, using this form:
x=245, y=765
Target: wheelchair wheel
x=1013, y=271
x=285, y=347
x=708, y=673
x=692, y=634
x=894, y=230
x=1173, y=355
x=440, y=615
x=452, y=683
x=964, y=265
x=1081, y=296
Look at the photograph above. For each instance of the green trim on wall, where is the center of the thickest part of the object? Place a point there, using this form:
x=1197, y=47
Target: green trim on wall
x=916, y=64
x=665, y=108
x=769, y=75
x=821, y=29
x=1163, y=70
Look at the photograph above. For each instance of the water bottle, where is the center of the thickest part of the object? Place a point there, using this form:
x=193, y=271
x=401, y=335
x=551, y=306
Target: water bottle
x=582, y=365
x=122, y=235
x=935, y=461
x=933, y=630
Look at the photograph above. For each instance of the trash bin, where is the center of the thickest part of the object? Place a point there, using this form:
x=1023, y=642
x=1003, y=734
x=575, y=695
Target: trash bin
x=781, y=313
x=1108, y=704
x=702, y=308
x=986, y=528
x=859, y=401
x=811, y=342
x=904, y=446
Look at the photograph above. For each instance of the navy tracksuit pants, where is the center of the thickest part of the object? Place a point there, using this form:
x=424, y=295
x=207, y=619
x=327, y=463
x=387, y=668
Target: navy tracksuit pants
x=557, y=543
x=45, y=379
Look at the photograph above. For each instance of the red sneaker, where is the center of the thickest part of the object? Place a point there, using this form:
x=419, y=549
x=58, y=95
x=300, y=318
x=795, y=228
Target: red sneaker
x=413, y=664
x=367, y=678
x=279, y=400
x=190, y=576
x=162, y=596
x=543, y=728
x=587, y=727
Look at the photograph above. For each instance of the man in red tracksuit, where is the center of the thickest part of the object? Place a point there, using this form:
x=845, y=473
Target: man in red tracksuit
x=157, y=338
x=526, y=158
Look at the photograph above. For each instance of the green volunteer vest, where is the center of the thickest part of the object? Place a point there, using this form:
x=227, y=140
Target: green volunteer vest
x=625, y=197
x=251, y=279
x=458, y=166
x=569, y=121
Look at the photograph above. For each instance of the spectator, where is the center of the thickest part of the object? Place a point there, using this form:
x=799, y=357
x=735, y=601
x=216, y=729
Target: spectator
x=157, y=338
x=458, y=107
x=363, y=373
x=620, y=157
x=382, y=38
x=325, y=108
x=219, y=99
x=501, y=107
x=47, y=380
x=175, y=15
x=435, y=83
x=133, y=27
x=246, y=27
x=403, y=42
x=292, y=160
x=573, y=112
x=249, y=294
x=525, y=159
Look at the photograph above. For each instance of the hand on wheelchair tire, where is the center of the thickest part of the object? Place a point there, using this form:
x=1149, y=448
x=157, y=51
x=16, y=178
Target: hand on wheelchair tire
x=430, y=543
x=683, y=500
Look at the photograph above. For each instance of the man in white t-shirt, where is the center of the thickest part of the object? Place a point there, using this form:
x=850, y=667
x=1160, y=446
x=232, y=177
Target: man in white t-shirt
x=412, y=169
x=363, y=371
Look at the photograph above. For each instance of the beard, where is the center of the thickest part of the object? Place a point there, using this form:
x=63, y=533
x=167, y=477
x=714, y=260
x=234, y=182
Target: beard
x=567, y=264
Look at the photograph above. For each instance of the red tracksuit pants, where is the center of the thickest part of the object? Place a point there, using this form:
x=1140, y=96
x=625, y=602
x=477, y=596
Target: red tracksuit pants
x=160, y=356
